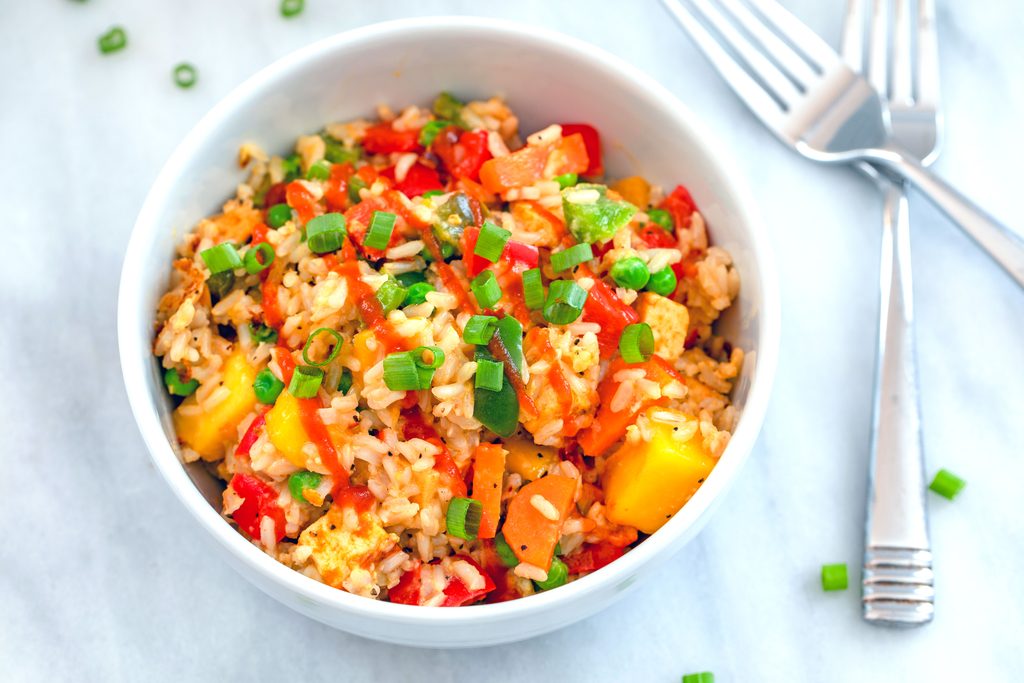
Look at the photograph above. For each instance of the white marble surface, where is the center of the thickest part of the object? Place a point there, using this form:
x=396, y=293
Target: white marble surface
x=104, y=577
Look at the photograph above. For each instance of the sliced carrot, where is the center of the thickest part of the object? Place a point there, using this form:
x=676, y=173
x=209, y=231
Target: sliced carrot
x=532, y=163
x=488, y=477
x=531, y=535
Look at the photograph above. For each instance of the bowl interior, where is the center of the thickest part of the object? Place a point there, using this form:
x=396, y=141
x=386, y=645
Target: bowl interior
x=545, y=78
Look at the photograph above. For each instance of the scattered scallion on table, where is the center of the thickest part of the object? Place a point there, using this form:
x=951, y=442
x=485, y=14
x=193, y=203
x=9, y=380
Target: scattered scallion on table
x=947, y=484
x=702, y=677
x=113, y=40
x=833, y=577
x=185, y=75
x=292, y=8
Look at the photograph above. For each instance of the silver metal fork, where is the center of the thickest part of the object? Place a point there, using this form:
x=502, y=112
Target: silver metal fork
x=800, y=88
x=897, y=579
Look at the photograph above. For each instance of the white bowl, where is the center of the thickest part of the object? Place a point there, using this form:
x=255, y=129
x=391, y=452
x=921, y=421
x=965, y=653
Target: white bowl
x=546, y=77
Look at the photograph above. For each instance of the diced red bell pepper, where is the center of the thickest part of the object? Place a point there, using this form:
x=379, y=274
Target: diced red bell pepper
x=462, y=153
x=250, y=436
x=611, y=313
x=592, y=556
x=384, y=139
x=657, y=237
x=457, y=594
x=680, y=206
x=259, y=500
x=303, y=201
x=336, y=190
x=418, y=179
x=520, y=256
x=407, y=590
x=592, y=141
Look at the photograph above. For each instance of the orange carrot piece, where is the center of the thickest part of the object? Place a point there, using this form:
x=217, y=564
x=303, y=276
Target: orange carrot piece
x=528, y=165
x=531, y=535
x=569, y=155
x=488, y=476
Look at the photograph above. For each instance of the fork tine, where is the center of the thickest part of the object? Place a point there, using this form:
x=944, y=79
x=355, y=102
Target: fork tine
x=852, y=47
x=902, y=84
x=806, y=40
x=878, y=48
x=789, y=60
x=927, y=55
x=750, y=91
x=760, y=66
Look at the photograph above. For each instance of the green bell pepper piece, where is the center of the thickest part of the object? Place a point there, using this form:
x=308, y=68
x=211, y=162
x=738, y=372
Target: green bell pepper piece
x=591, y=216
x=496, y=410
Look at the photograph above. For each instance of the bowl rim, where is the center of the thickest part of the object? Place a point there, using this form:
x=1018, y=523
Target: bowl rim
x=135, y=355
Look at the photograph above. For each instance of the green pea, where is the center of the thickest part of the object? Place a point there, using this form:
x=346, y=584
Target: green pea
x=662, y=218
x=567, y=180
x=663, y=282
x=418, y=293
x=631, y=273
x=175, y=387
x=267, y=387
x=557, y=575
x=300, y=481
x=345, y=383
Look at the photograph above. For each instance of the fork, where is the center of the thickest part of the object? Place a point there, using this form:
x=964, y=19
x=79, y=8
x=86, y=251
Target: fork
x=810, y=99
x=897, y=578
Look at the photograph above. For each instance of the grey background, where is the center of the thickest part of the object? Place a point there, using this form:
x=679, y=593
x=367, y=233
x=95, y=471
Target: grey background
x=103, y=576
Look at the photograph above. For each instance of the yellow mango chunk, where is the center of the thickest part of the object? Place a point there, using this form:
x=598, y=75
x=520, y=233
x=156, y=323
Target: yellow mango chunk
x=529, y=460
x=367, y=350
x=285, y=430
x=645, y=483
x=634, y=190
x=207, y=433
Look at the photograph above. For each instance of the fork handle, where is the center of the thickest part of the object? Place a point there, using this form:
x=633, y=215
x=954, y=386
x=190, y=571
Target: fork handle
x=897, y=578
x=1004, y=245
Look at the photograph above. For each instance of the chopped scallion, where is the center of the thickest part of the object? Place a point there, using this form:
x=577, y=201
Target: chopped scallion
x=185, y=75
x=391, y=295
x=636, y=343
x=306, y=381
x=400, y=372
x=463, y=518
x=326, y=233
x=505, y=554
x=381, y=226
x=345, y=381
x=113, y=40
x=430, y=131
x=258, y=258
x=222, y=257
x=321, y=170
x=292, y=8
x=486, y=289
x=564, y=303
x=221, y=283
x=947, y=484
x=479, y=329
x=262, y=333
x=558, y=574
x=489, y=374
x=491, y=241
x=330, y=356
x=571, y=257
x=533, y=289
x=833, y=577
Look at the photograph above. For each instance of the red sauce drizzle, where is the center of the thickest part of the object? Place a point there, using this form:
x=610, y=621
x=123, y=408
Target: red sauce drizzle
x=366, y=301
x=415, y=427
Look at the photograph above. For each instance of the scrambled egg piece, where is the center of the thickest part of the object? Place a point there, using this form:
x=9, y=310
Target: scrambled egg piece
x=338, y=550
x=669, y=322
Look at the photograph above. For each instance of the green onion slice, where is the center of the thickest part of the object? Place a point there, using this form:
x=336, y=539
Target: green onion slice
x=221, y=258
x=636, y=343
x=463, y=518
x=489, y=374
x=306, y=381
x=113, y=40
x=258, y=258
x=381, y=226
x=486, y=289
x=533, y=289
x=571, y=257
x=565, y=302
x=292, y=8
x=479, y=329
x=330, y=356
x=302, y=480
x=326, y=233
x=701, y=677
x=267, y=387
x=355, y=183
x=947, y=484
x=262, y=333
x=430, y=131
x=411, y=278
x=185, y=75
x=400, y=372
x=491, y=241
x=558, y=574
x=175, y=387
x=432, y=193
x=833, y=577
